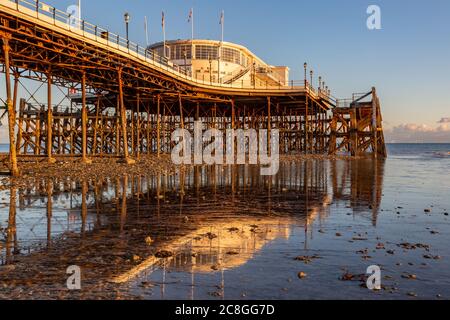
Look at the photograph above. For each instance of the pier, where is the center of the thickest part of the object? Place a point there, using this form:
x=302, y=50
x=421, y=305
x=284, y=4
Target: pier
x=123, y=100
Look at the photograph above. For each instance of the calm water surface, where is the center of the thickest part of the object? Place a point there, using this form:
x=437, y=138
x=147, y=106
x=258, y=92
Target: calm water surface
x=228, y=233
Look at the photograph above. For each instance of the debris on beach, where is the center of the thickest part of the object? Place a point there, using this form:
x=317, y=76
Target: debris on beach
x=307, y=259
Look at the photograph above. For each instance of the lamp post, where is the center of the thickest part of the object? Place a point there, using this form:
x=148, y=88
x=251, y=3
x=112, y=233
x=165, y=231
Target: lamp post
x=320, y=82
x=126, y=17
x=305, y=65
x=254, y=74
x=185, y=62
x=311, y=78
x=210, y=68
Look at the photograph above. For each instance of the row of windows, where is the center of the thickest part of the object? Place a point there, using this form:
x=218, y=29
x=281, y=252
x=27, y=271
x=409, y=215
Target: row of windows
x=205, y=52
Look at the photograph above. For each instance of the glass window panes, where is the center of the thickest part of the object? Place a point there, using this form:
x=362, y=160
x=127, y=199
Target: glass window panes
x=177, y=51
x=231, y=55
x=206, y=52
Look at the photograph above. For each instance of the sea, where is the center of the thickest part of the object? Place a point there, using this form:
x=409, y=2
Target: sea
x=313, y=231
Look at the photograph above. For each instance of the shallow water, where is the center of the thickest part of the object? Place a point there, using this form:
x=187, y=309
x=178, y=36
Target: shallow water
x=233, y=234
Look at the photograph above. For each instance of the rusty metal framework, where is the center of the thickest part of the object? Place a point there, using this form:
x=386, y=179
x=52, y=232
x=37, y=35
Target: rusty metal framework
x=129, y=105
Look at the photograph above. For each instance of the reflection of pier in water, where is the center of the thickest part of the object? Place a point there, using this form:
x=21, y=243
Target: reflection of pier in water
x=360, y=183
x=211, y=211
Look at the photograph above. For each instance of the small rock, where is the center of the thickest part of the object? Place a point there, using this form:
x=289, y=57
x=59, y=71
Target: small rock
x=148, y=240
x=409, y=276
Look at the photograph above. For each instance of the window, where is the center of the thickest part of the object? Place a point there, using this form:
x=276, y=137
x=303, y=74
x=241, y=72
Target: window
x=231, y=55
x=205, y=52
x=177, y=51
x=244, y=60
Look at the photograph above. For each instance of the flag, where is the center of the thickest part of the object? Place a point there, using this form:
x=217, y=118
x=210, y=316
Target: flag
x=190, y=16
x=222, y=17
x=163, y=20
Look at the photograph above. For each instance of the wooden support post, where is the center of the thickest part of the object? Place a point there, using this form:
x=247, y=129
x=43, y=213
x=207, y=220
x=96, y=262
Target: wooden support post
x=11, y=112
x=20, y=125
x=353, y=132
x=84, y=158
x=149, y=125
x=158, y=126
x=181, y=112
x=233, y=114
x=123, y=121
x=374, y=124
x=138, y=125
x=117, y=126
x=197, y=112
x=132, y=133
x=50, y=158
x=332, y=139
x=96, y=125
x=269, y=125
x=306, y=125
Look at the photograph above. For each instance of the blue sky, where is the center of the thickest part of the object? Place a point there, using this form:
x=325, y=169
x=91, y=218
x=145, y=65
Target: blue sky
x=408, y=60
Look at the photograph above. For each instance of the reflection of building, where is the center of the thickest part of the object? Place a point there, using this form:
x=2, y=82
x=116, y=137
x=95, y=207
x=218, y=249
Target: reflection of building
x=222, y=62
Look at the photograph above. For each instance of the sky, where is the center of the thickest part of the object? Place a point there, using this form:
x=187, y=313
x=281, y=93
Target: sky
x=407, y=60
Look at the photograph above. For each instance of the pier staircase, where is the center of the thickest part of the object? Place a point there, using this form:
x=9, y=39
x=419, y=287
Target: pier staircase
x=356, y=126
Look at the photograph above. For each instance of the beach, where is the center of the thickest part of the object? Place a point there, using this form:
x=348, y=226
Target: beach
x=158, y=231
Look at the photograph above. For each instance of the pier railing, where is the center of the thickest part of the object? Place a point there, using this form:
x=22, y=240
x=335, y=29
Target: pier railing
x=55, y=18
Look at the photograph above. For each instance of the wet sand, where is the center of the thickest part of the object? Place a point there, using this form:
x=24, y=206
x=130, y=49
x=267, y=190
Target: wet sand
x=228, y=233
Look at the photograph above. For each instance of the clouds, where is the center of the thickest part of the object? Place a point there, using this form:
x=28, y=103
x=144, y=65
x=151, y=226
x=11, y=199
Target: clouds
x=444, y=120
x=420, y=133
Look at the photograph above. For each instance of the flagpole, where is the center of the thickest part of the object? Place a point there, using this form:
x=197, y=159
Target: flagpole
x=79, y=12
x=164, y=33
x=192, y=37
x=192, y=40
x=146, y=31
x=223, y=22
